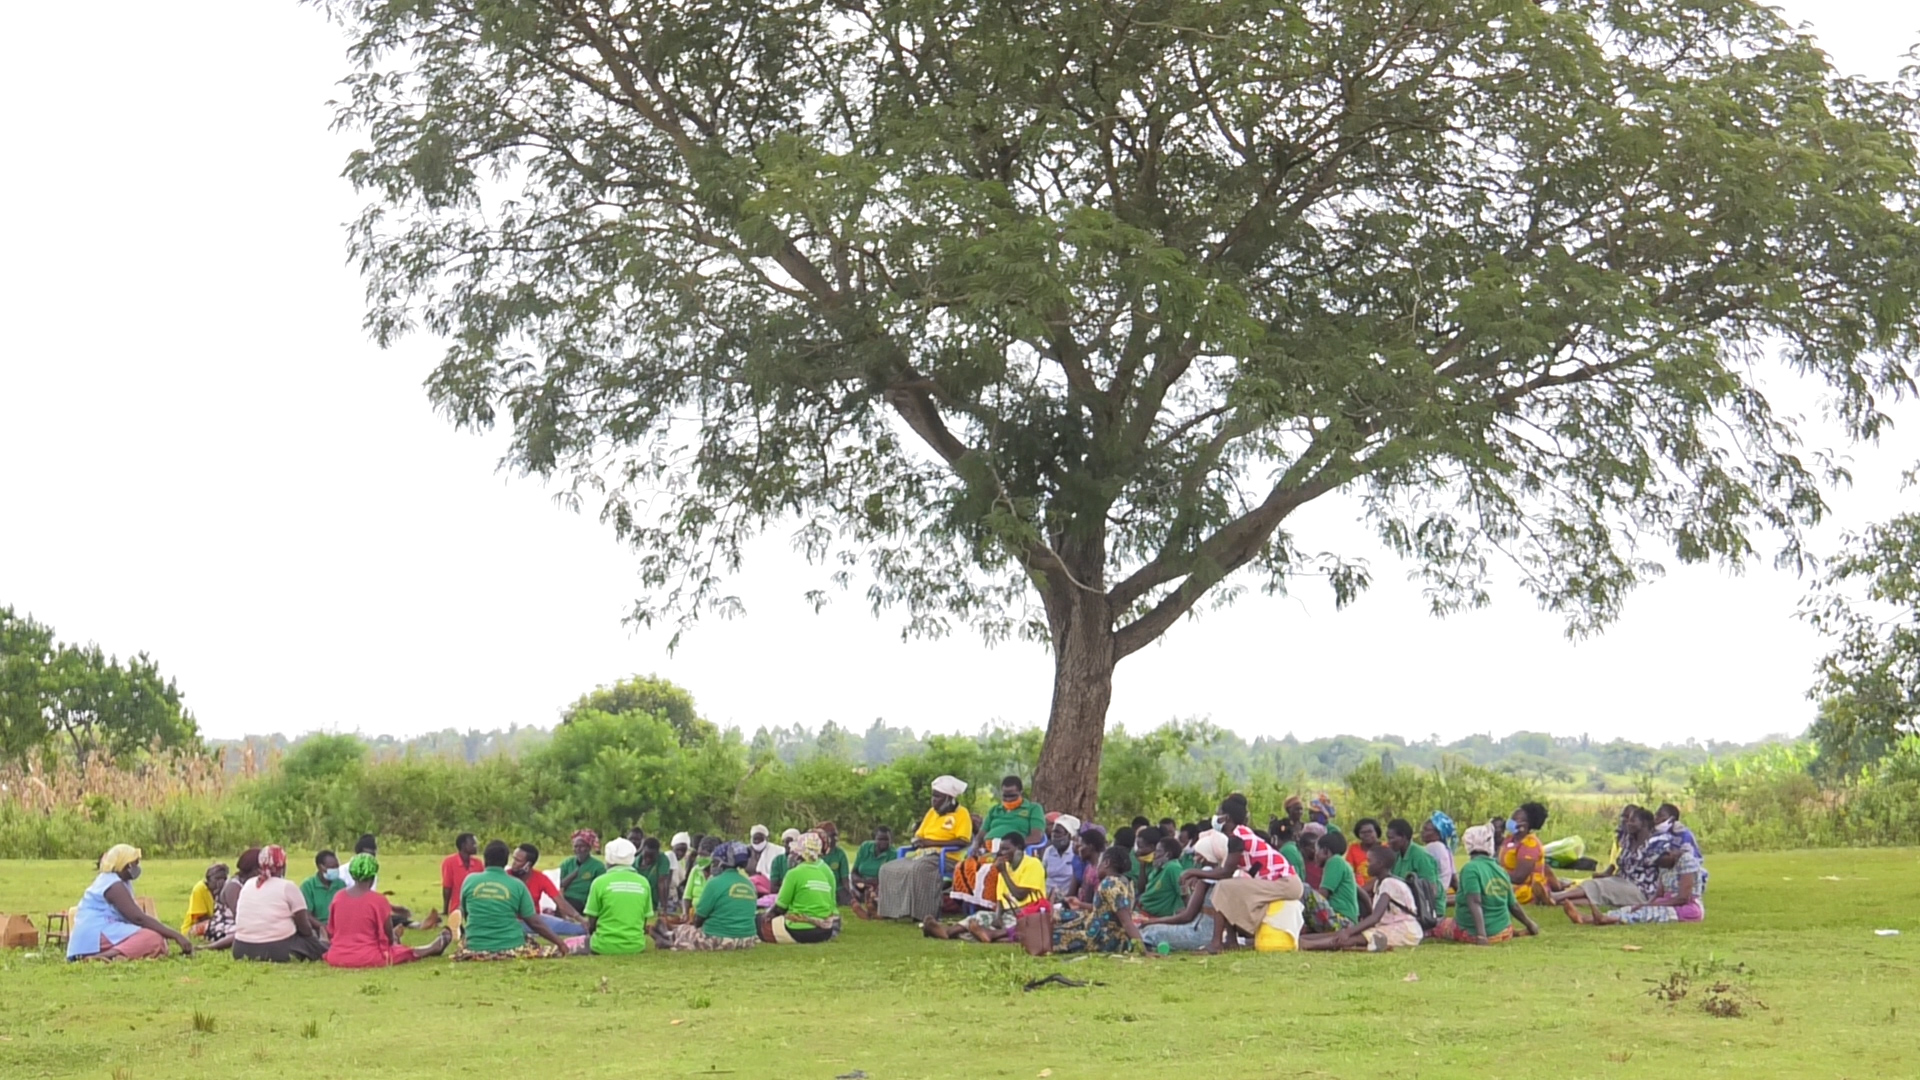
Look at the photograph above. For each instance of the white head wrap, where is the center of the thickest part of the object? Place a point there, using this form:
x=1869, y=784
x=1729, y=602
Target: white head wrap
x=950, y=786
x=681, y=838
x=1212, y=846
x=1478, y=840
x=759, y=831
x=790, y=836
x=1069, y=823
x=620, y=851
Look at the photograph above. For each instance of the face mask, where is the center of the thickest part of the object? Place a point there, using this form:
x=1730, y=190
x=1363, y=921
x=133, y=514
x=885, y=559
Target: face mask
x=333, y=874
x=134, y=873
x=1513, y=825
x=1219, y=823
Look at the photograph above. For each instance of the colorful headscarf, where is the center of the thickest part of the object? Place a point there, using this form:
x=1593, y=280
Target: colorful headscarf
x=272, y=857
x=119, y=857
x=1478, y=840
x=733, y=854
x=807, y=846
x=592, y=838
x=1322, y=809
x=363, y=867
x=1443, y=825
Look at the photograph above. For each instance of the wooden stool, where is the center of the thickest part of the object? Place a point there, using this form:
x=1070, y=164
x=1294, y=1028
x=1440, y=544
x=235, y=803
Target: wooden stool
x=57, y=928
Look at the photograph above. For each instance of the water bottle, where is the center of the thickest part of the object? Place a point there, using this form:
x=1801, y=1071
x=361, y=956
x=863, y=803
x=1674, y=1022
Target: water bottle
x=1163, y=949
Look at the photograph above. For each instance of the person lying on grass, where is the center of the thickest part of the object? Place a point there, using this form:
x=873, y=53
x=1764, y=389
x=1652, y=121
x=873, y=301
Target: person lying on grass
x=271, y=922
x=806, y=911
x=1484, y=910
x=565, y=922
x=1021, y=881
x=361, y=927
x=727, y=914
x=1677, y=898
x=108, y=923
x=498, y=913
x=1390, y=924
x=867, y=862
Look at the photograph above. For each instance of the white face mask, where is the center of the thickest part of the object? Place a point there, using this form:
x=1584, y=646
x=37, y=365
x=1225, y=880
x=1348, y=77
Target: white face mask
x=1219, y=823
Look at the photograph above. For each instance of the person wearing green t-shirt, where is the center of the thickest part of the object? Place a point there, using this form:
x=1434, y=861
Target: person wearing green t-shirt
x=578, y=870
x=1484, y=909
x=654, y=865
x=319, y=890
x=867, y=862
x=498, y=913
x=1334, y=904
x=1161, y=898
x=1014, y=811
x=806, y=912
x=727, y=914
x=836, y=861
x=702, y=869
x=1411, y=858
x=619, y=905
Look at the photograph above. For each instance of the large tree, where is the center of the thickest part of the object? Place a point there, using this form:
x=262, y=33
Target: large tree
x=1868, y=603
x=1044, y=317
x=82, y=697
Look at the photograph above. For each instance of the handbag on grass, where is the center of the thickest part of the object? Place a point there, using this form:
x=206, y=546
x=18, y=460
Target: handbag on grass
x=1033, y=928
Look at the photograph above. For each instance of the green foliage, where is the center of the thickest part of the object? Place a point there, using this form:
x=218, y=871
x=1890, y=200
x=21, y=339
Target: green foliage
x=1868, y=604
x=617, y=770
x=650, y=694
x=79, y=694
x=1050, y=316
x=1468, y=794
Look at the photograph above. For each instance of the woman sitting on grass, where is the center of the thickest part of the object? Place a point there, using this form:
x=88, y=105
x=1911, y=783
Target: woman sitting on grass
x=201, y=904
x=1485, y=909
x=1333, y=905
x=1106, y=925
x=1436, y=836
x=108, y=923
x=271, y=922
x=1191, y=929
x=360, y=925
x=1366, y=837
x=1240, y=902
x=1633, y=878
x=805, y=912
x=1525, y=858
x=497, y=913
x=1677, y=898
x=727, y=915
x=220, y=929
x=1392, y=924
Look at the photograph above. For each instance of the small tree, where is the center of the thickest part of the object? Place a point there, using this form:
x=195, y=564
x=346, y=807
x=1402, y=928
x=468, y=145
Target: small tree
x=1046, y=317
x=78, y=693
x=1868, y=603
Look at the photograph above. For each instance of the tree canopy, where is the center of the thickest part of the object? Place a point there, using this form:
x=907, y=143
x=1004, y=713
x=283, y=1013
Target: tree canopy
x=1043, y=317
x=77, y=694
x=1868, y=603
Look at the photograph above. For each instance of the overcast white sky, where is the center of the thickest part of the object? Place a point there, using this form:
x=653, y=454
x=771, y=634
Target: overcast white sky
x=202, y=456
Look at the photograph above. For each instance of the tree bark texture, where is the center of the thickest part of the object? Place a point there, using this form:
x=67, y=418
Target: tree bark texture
x=1067, y=778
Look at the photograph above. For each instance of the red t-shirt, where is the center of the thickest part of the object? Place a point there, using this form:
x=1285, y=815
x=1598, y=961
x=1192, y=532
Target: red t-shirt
x=540, y=885
x=357, y=927
x=453, y=874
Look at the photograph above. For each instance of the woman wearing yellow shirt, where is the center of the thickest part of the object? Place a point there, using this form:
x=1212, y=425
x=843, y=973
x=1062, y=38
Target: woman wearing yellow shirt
x=910, y=887
x=200, y=902
x=1021, y=880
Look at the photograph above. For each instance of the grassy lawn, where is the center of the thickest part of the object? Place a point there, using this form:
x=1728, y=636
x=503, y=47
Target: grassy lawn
x=1823, y=997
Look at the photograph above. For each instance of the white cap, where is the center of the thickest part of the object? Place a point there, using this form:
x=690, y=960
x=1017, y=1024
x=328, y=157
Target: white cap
x=1069, y=823
x=680, y=839
x=620, y=851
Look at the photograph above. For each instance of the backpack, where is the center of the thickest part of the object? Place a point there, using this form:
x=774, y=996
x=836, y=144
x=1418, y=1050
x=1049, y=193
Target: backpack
x=1428, y=906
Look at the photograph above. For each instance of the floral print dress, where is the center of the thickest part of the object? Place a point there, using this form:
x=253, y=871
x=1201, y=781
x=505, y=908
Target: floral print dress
x=1098, y=929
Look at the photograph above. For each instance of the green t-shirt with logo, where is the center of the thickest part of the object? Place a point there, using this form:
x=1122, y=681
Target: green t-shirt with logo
x=809, y=889
x=1030, y=818
x=869, y=859
x=1343, y=892
x=1418, y=860
x=620, y=902
x=493, y=902
x=576, y=893
x=1488, y=879
x=729, y=905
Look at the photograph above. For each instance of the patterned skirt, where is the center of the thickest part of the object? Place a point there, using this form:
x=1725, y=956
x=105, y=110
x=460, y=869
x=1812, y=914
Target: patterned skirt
x=524, y=952
x=690, y=938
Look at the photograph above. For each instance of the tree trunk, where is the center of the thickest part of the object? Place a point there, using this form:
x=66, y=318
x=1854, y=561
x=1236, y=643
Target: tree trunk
x=1068, y=776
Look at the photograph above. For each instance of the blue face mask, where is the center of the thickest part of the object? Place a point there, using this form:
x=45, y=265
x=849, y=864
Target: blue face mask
x=333, y=874
x=1513, y=825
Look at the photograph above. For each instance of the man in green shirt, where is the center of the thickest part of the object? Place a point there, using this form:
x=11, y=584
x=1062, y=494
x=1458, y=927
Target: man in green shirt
x=1014, y=811
x=578, y=870
x=1484, y=909
x=1411, y=858
x=1335, y=905
x=498, y=913
x=619, y=905
x=319, y=889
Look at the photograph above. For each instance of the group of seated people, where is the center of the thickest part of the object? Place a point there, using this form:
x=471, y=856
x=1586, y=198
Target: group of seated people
x=1164, y=888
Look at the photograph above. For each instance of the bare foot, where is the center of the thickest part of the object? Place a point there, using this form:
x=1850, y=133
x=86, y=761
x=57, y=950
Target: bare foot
x=933, y=929
x=432, y=920
x=1572, y=913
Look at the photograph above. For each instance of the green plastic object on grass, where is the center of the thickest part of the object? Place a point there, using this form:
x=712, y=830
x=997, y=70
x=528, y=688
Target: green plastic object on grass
x=1566, y=851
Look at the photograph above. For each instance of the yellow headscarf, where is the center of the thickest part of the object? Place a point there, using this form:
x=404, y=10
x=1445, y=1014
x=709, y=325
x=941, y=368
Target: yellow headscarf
x=119, y=857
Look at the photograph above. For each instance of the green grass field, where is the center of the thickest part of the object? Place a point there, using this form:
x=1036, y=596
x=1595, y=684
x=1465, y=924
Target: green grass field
x=1822, y=997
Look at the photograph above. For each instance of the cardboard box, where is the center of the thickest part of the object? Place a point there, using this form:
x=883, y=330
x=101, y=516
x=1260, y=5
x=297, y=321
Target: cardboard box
x=17, y=932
